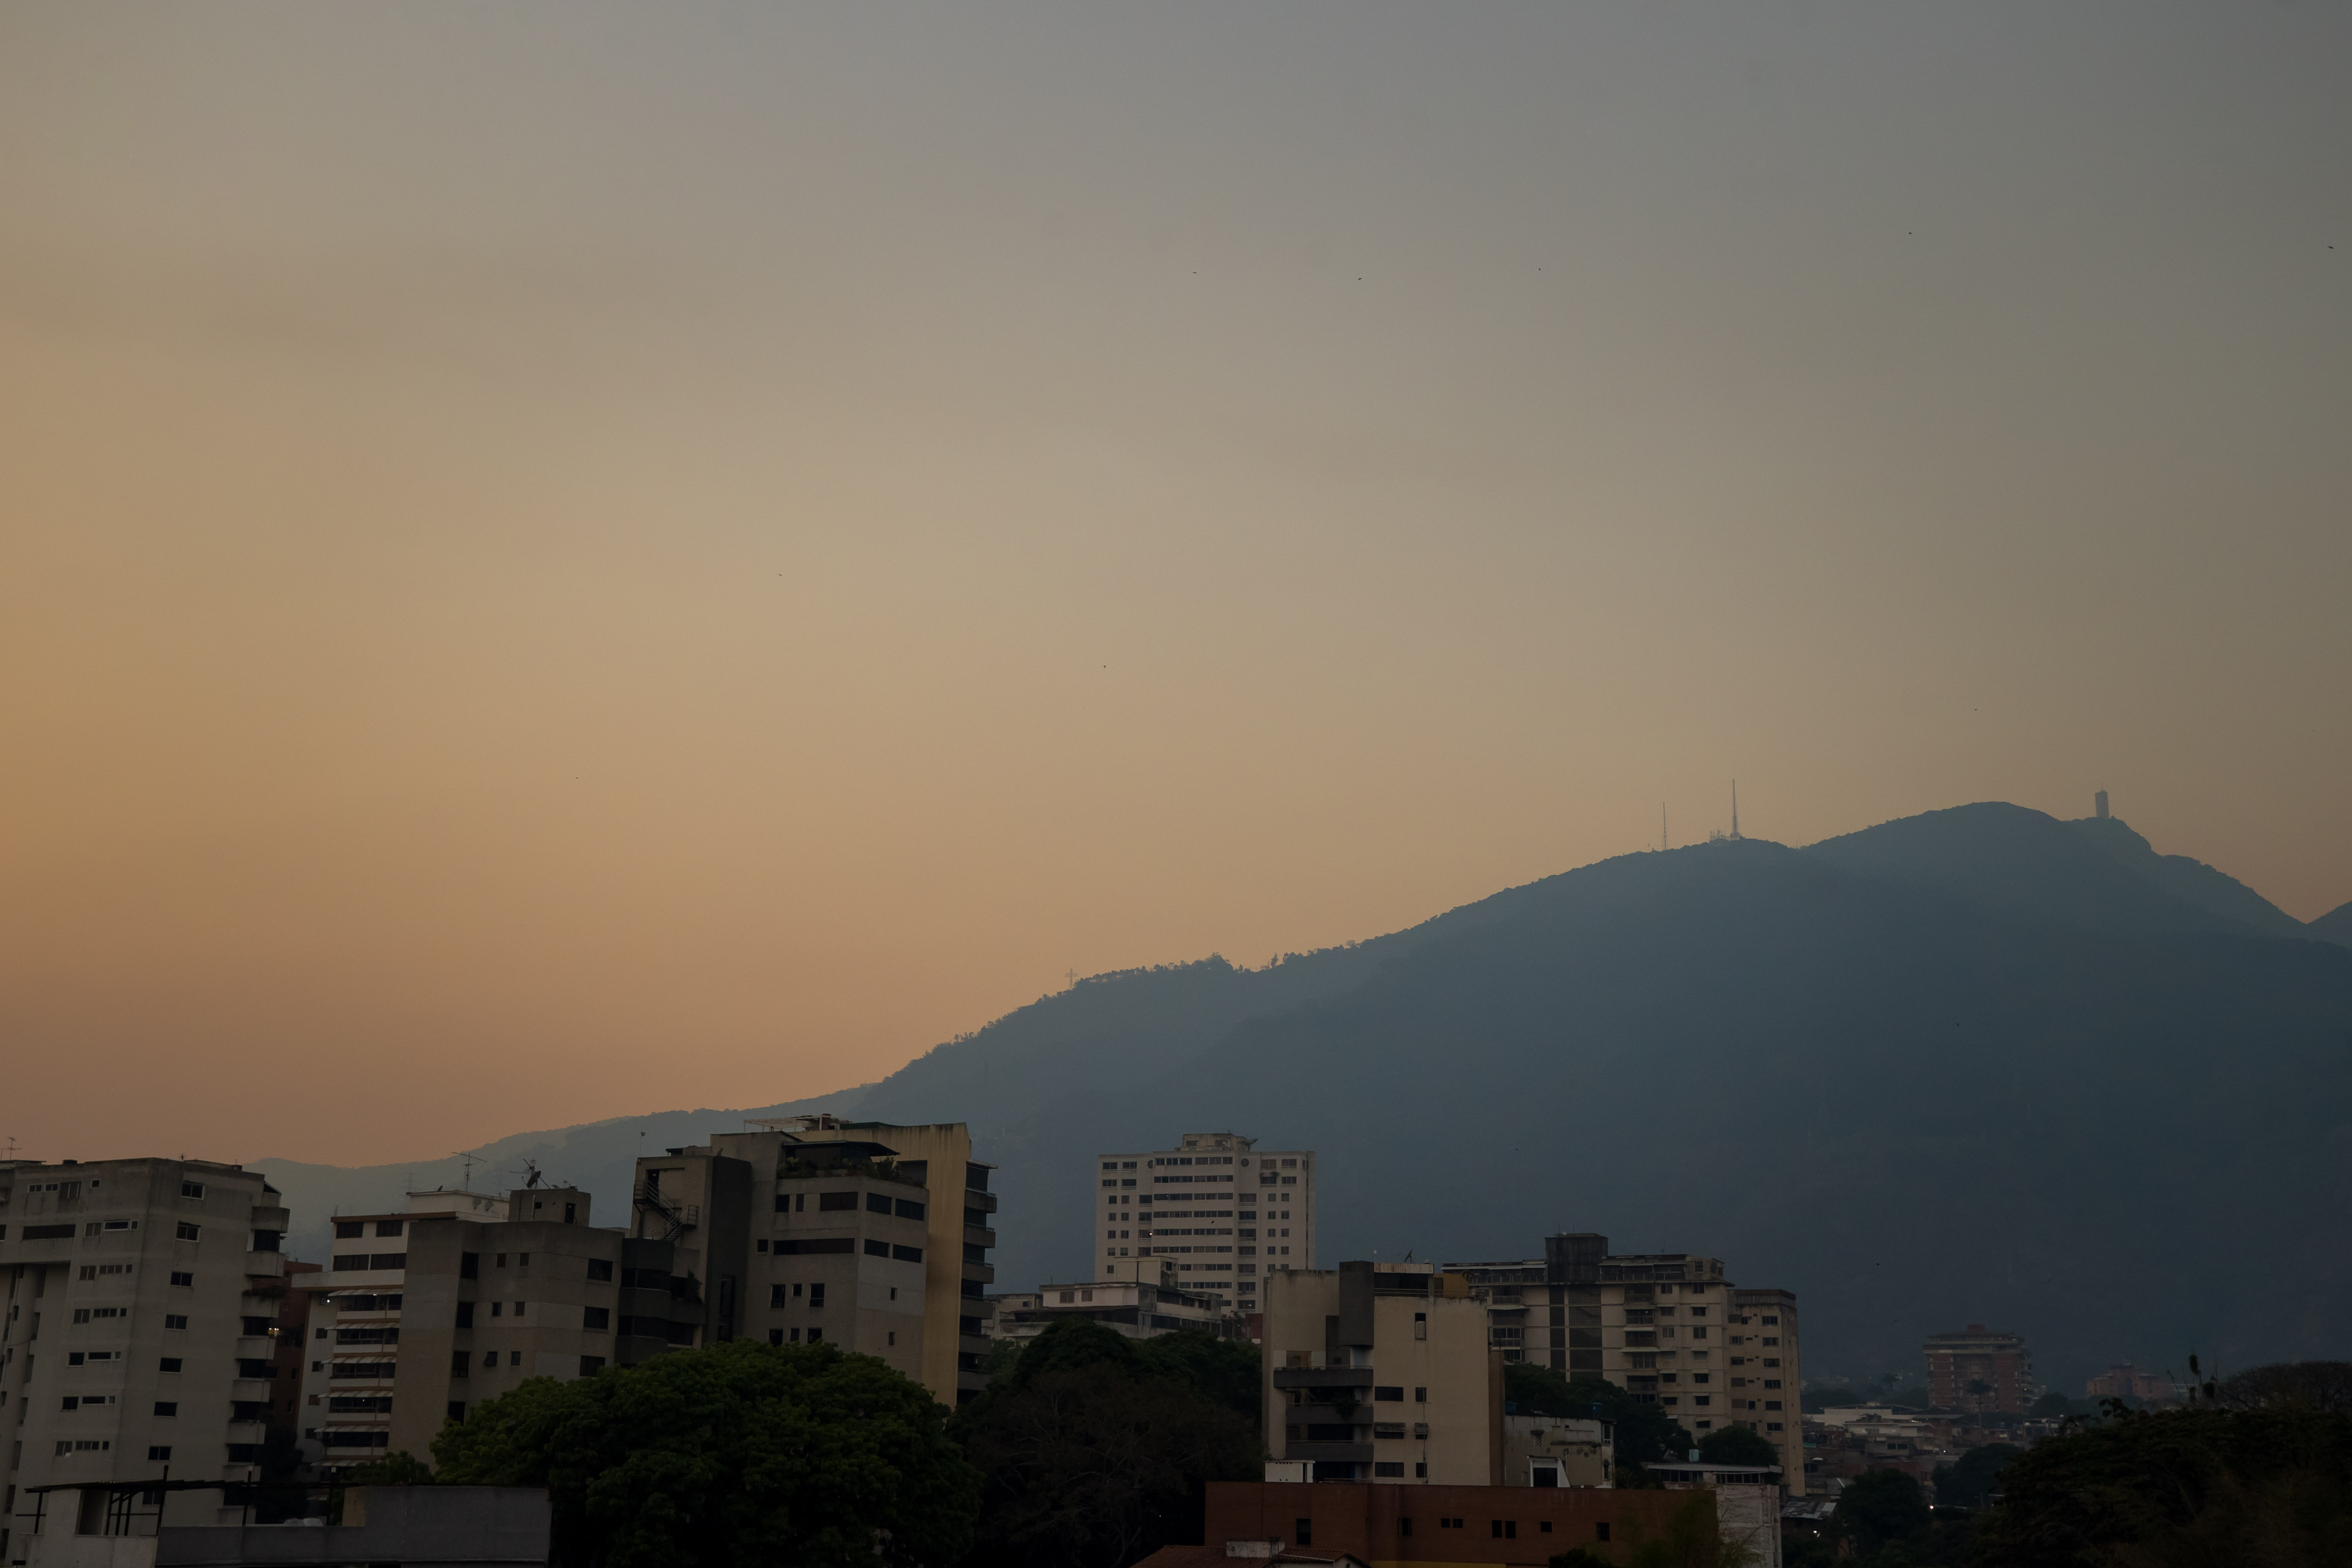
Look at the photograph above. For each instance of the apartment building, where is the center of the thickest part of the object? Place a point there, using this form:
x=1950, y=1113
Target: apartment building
x=867, y=1234
x=1381, y=1374
x=1668, y=1327
x=1979, y=1369
x=1228, y=1213
x=422, y=1313
x=140, y=1301
x=1140, y=1299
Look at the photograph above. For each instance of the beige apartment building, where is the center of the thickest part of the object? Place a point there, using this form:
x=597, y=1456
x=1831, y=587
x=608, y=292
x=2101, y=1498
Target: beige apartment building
x=867, y=1234
x=460, y=1296
x=1382, y=1374
x=1668, y=1327
x=1228, y=1213
x=140, y=1302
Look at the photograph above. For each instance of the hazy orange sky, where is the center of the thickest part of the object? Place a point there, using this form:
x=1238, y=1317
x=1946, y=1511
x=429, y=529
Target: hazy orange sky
x=560, y=560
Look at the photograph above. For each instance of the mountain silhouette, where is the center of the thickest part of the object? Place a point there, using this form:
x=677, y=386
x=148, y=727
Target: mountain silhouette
x=1979, y=1065
x=2335, y=926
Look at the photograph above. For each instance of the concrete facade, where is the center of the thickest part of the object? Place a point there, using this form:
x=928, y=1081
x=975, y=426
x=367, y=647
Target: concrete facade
x=482, y=1293
x=1229, y=1213
x=140, y=1302
x=919, y=1301
x=1381, y=1375
x=1555, y=1451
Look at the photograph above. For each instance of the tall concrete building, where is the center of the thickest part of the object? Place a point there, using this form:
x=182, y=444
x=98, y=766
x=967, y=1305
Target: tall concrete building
x=141, y=1309
x=1379, y=1374
x=871, y=1236
x=1668, y=1327
x=1980, y=1369
x=424, y=1312
x=1229, y=1213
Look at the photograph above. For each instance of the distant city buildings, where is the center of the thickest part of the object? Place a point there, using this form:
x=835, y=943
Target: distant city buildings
x=1227, y=1212
x=140, y=1329
x=2125, y=1381
x=1668, y=1327
x=1977, y=1369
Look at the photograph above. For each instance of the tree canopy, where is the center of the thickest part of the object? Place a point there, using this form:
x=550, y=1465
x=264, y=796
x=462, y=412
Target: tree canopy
x=1967, y=1482
x=798, y=1455
x=2205, y=1487
x=1881, y=1510
x=1096, y=1449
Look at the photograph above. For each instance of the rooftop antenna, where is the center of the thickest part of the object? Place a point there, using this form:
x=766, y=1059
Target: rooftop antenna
x=1735, y=808
x=467, y=1160
x=1664, y=842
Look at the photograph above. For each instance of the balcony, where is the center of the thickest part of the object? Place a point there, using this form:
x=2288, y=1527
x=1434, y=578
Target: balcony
x=1324, y=1377
x=973, y=1235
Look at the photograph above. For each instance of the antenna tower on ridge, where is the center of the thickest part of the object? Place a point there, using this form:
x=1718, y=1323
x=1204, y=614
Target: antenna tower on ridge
x=1735, y=808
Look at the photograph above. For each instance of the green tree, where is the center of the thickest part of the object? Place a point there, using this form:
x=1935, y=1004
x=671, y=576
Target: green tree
x=398, y=1468
x=1644, y=1434
x=1968, y=1481
x=1737, y=1445
x=1880, y=1510
x=1098, y=1448
x=1230, y=1372
x=1579, y=1557
x=2316, y=1385
x=799, y=1456
x=2212, y=1487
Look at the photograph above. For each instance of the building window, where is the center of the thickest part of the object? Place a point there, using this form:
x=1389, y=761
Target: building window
x=188, y=1232
x=167, y=1407
x=1504, y=1529
x=1601, y=1529
x=1303, y=1532
x=188, y=1189
x=175, y=1320
x=1394, y=1467
x=601, y=1268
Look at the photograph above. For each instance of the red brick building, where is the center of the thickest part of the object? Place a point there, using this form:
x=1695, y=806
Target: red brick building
x=1507, y=1527
x=1980, y=1369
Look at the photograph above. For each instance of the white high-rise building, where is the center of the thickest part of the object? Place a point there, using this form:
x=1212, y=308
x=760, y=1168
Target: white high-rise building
x=1225, y=1211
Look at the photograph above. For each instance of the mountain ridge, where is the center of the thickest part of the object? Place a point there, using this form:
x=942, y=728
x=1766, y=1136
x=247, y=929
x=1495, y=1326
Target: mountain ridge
x=1719, y=997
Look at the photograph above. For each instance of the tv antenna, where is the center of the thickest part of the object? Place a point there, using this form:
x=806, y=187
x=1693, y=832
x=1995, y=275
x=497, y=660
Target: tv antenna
x=532, y=1176
x=467, y=1162
x=1735, y=808
x=1664, y=842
